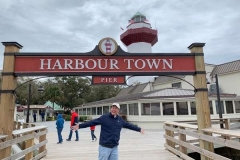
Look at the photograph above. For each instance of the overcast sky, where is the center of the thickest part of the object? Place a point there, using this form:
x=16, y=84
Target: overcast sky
x=78, y=25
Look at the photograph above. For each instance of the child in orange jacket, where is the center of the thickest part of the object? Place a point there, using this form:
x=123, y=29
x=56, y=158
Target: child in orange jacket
x=94, y=138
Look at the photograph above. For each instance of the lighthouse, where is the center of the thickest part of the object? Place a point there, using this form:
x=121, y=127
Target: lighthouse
x=108, y=46
x=139, y=38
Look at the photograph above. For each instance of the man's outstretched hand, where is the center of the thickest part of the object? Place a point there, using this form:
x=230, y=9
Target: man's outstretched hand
x=76, y=127
x=142, y=131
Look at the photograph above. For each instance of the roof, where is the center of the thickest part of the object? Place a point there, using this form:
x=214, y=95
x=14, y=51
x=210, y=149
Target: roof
x=138, y=14
x=38, y=107
x=132, y=89
x=161, y=93
x=165, y=79
x=56, y=106
x=226, y=68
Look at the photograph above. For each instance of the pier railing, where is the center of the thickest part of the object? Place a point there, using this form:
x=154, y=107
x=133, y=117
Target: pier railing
x=28, y=142
x=182, y=138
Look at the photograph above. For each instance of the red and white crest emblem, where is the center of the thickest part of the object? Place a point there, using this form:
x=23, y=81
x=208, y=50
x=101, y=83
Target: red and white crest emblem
x=108, y=46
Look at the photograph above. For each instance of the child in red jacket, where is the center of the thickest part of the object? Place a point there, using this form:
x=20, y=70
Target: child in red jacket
x=94, y=138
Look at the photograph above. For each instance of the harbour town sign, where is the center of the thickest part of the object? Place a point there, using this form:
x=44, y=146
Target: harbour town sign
x=106, y=61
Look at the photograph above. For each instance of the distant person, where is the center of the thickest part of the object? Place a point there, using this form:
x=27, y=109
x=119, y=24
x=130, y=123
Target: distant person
x=60, y=125
x=43, y=116
x=74, y=121
x=34, y=117
x=111, y=125
x=94, y=138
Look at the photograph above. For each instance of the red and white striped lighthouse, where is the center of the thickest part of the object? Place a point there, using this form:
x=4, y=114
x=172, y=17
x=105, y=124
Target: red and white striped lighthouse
x=139, y=38
x=108, y=46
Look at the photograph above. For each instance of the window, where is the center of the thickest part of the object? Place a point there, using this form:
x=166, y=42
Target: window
x=84, y=111
x=155, y=109
x=193, y=108
x=76, y=110
x=210, y=107
x=88, y=111
x=81, y=111
x=177, y=85
x=133, y=109
x=105, y=109
x=150, y=108
x=123, y=109
x=99, y=110
x=168, y=108
x=229, y=106
x=182, y=108
x=94, y=111
x=145, y=109
x=237, y=106
x=222, y=107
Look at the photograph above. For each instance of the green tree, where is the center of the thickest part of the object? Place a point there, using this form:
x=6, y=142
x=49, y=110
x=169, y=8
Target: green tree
x=73, y=91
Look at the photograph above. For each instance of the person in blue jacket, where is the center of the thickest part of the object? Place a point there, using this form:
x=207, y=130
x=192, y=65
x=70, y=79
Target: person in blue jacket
x=111, y=125
x=60, y=124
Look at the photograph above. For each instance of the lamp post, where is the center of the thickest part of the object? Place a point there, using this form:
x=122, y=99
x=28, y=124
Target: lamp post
x=219, y=100
x=28, y=102
x=29, y=99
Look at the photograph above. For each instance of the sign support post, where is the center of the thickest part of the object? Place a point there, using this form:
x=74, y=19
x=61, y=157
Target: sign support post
x=7, y=97
x=201, y=96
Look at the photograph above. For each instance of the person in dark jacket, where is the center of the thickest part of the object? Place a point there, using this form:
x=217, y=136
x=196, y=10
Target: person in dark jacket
x=74, y=121
x=60, y=124
x=34, y=117
x=111, y=125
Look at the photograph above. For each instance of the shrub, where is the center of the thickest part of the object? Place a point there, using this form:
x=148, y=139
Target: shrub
x=83, y=118
x=49, y=119
x=67, y=118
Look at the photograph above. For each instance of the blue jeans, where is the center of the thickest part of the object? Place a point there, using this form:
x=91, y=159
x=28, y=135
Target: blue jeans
x=92, y=134
x=108, y=153
x=70, y=135
x=59, y=131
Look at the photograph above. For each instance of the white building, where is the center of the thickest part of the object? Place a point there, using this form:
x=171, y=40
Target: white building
x=171, y=99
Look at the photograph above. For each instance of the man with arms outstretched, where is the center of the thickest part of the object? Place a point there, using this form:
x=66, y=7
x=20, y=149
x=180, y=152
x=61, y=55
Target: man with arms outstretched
x=111, y=125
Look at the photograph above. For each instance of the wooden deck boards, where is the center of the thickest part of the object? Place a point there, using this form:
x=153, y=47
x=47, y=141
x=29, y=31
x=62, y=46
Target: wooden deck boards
x=133, y=146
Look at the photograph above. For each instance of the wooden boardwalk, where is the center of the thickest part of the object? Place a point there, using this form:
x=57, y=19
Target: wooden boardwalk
x=133, y=146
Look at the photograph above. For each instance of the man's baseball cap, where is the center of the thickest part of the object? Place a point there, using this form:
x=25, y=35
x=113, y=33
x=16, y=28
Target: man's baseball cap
x=116, y=104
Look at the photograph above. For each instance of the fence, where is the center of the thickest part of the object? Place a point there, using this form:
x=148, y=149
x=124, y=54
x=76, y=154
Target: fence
x=182, y=138
x=29, y=139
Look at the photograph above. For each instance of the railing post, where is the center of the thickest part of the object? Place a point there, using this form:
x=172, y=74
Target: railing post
x=29, y=143
x=182, y=137
x=171, y=134
x=227, y=126
x=41, y=139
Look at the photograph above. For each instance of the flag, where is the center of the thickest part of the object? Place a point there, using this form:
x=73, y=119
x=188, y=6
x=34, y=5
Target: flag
x=131, y=21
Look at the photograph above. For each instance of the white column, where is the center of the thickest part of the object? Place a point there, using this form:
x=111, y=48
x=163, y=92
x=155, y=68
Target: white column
x=234, y=107
x=214, y=107
x=224, y=107
x=161, y=109
x=189, y=108
x=175, y=108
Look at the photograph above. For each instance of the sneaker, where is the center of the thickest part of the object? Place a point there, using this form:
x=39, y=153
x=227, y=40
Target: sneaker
x=59, y=142
x=76, y=139
x=68, y=139
x=95, y=139
x=92, y=140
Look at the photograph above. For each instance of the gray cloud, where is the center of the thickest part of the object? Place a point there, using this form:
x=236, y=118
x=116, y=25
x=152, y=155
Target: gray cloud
x=77, y=26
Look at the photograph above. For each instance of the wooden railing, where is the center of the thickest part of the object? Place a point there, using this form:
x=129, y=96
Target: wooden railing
x=184, y=137
x=29, y=138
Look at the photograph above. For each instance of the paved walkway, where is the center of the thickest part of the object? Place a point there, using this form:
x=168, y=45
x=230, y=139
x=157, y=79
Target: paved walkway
x=133, y=145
